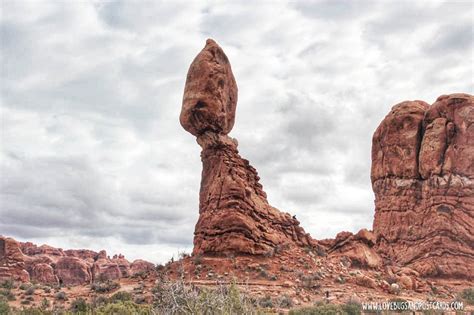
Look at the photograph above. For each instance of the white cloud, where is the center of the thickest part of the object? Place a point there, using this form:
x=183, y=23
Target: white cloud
x=92, y=153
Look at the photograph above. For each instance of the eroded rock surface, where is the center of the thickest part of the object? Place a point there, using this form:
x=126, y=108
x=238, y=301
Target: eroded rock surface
x=358, y=249
x=49, y=265
x=423, y=179
x=234, y=215
x=210, y=94
x=12, y=260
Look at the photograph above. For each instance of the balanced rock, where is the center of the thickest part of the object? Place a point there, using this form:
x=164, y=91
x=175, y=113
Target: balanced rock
x=423, y=180
x=234, y=214
x=210, y=94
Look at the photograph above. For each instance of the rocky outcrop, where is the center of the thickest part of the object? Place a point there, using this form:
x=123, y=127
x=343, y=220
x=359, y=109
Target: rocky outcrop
x=234, y=215
x=48, y=265
x=124, y=265
x=140, y=266
x=358, y=249
x=423, y=179
x=44, y=273
x=104, y=269
x=73, y=271
x=12, y=261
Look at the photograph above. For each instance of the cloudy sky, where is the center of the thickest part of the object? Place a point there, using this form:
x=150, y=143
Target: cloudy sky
x=92, y=153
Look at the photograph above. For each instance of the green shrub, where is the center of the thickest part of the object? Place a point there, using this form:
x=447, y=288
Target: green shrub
x=286, y=302
x=123, y=308
x=468, y=295
x=79, y=305
x=121, y=296
x=352, y=308
x=7, y=284
x=320, y=309
x=266, y=302
x=45, y=303
x=4, y=307
x=61, y=296
x=8, y=294
x=24, y=286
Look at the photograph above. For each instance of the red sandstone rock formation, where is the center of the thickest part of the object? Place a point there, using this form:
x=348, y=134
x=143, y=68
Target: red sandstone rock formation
x=358, y=249
x=12, y=261
x=139, y=266
x=48, y=265
x=234, y=213
x=104, y=269
x=423, y=179
x=73, y=271
x=44, y=273
x=210, y=94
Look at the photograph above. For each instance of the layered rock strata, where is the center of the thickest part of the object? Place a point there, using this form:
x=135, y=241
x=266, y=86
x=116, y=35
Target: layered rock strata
x=423, y=179
x=48, y=265
x=234, y=214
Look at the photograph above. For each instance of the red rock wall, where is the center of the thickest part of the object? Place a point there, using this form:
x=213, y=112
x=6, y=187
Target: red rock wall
x=423, y=179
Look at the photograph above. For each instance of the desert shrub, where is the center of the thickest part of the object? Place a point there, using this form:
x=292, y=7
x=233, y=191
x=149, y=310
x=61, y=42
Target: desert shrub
x=352, y=308
x=25, y=302
x=139, y=299
x=179, y=298
x=197, y=259
x=468, y=295
x=104, y=287
x=31, y=290
x=7, y=284
x=285, y=302
x=266, y=302
x=320, y=251
x=309, y=281
x=61, y=296
x=32, y=311
x=329, y=309
x=319, y=309
x=99, y=301
x=263, y=273
x=4, y=307
x=24, y=286
x=121, y=296
x=8, y=294
x=79, y=305
x=45, y=303
x=123, y=308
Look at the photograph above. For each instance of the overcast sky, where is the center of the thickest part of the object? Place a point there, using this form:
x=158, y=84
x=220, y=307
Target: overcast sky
x=92, y=153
